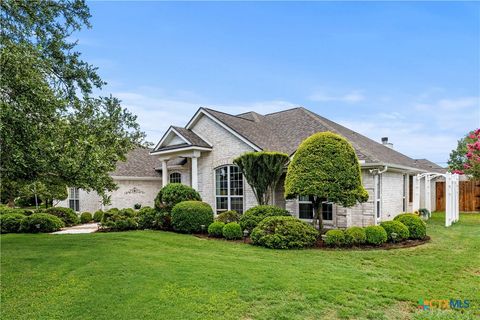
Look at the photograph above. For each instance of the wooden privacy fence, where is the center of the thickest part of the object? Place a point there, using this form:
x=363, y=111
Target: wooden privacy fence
x=469, y=196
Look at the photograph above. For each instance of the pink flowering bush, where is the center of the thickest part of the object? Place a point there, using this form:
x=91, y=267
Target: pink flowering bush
x=472, y=166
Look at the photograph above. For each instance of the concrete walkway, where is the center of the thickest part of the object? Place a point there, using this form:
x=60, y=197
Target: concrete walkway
x=83, y=228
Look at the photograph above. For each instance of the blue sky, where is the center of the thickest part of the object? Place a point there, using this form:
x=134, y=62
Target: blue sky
x=409, y=71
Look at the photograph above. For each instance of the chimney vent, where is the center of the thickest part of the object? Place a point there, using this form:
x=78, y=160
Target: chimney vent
x=386, y=143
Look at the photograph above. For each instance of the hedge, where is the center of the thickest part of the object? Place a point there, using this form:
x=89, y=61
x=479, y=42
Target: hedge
x=396, y=231
x=375, y=235
x=11, y=222
x=119, y=220
x=229, y=216
x=68, y=216
x=190, y=216
x=355, y=236
x=335, y=238
x=416, y=226
x=232, y=231
x=174, y=193
x=98, y=215
x=151, y=218
x=215, y=229
x=86, y=217
x=252, y=217
x=41, y=222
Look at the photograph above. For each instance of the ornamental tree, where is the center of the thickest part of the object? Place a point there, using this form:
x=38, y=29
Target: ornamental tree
x=472, y=166
x=458, y=157
x=262, y=170
x=325, y=165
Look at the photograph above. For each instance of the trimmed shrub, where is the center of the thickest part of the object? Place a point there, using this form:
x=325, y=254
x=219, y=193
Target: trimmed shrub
x=416, y=226
x=119, y=220
x=284, y=232
x=6, y=210
x=229, y=216
x=68, y=216
x=98, y=215
x=252, y=217
x=335, y=238
x=189, y=216
x=11, y=222
x=41, y=222
x=376, y=235
x=355, y=236
x=150, y=218
x=215, y=229
x=396, y=231
x=232, y=231
x=174, y=193
x=86, y=217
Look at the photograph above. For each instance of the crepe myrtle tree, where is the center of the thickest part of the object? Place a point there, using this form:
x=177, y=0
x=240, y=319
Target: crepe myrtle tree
x=325, y=165
x=262, y=170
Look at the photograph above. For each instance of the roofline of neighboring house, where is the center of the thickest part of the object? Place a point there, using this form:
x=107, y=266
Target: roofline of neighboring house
x=204, y=111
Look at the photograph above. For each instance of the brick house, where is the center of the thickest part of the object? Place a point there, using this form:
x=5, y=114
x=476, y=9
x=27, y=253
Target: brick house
x=201, y=155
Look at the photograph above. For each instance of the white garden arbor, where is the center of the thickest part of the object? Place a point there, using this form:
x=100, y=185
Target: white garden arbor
x=452, y=204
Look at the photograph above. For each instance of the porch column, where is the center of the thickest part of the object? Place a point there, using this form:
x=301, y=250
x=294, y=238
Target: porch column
x=164, y=173
x=416, y=193
x=195, y=173
x=428, y=194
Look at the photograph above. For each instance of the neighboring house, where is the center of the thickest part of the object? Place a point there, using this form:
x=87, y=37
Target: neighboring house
x=201, y=155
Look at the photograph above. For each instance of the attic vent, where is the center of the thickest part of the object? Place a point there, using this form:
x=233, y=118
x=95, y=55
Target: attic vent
x=386, y=143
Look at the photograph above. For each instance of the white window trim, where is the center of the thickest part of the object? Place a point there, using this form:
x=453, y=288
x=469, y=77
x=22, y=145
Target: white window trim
x=228, y=196
x=173, y=172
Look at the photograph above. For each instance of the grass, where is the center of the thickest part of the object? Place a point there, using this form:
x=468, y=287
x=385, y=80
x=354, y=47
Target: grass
x=162, y=275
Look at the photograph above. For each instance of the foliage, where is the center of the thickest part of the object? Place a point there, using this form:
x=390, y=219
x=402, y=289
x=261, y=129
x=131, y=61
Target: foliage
x=150, y=218
x=174, y=193
x=215, y=229
x=375, y=235
x=229, y=216
x=284, y=232
x=98, y=215
x=232, y=231
x=335, y=238
x=396, y=231
x=10, y=222
x=68, y=216
x=355, y=236
x=262, y=170
x=416, y=226
x=86, y=217
x=7, y=210
x=458, y=157
x=53, y=130
x=41, y=222
x=252, y=217
x=189, y=216
x=43, y=192
x=325, y=165
x=472, y=167
x=119, y=220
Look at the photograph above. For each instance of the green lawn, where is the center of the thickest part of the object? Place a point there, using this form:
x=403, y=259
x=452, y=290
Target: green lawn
x=161, y=275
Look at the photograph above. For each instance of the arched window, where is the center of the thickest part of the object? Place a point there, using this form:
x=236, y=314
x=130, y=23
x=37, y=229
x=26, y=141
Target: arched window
x=175, y=177
x=229, y=189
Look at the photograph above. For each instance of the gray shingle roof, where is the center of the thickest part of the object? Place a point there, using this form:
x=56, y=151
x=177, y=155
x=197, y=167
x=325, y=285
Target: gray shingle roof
x=429, y=166
x=191, y=137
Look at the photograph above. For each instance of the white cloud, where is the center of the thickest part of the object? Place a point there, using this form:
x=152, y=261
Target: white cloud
x=350, y=97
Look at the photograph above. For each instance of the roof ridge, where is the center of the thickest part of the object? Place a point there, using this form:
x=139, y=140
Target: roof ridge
x=229, y=114
x=269, y=114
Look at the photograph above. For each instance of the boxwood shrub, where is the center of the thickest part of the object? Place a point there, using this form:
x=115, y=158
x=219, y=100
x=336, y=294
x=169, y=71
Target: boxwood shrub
x=150, y=218
x=174, y=193
x=335, y=238
x=376, y=235
x=250, y=219
x=215, y=229
x=11, y=222
x=284, y=232
x=98, y=215
x=399, y=230
x=416, y=226
x=229, y=216
x=189, y=216
x=68, y=216
x=5, y=209
x=41, y=222
x=119, y=220
x=86, y=217
x=232, y=231
x=355, y=236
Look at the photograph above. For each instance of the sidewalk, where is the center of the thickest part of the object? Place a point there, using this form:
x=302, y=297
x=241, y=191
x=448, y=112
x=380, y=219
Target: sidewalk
x=83, y=228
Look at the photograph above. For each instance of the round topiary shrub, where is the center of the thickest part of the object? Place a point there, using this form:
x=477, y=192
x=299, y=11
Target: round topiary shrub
x=41, y=222
x=232, y=231
x=252, y=217
x=335, y=238
x=174, y=193
x=189, y=216
x=355, y=236
x=375, y=235
x=86, y=217
x=284, y=232
x=396, y=231
x=68, y=216
x=11, y=222
x=98, y=215
x=150, y=218
x=215, y=229
x=229, y=216
x=119, y=220
x=416, y=226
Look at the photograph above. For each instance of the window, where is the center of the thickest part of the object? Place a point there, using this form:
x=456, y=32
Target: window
x=305, y=208
x=175, y=177
x=229, y=189
x=410, y=189
x=404, y=188
x=378, y=195
x=74, y=199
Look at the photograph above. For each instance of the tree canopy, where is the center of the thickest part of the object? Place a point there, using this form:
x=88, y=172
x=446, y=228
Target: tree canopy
x=52, y=126
x=325, y=165
x=458, y=156
x=262, y=170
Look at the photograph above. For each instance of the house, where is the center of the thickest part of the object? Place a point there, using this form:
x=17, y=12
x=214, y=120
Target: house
x=201, y=155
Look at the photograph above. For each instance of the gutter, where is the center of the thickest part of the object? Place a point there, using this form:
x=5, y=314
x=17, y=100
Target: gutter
x=376, y=165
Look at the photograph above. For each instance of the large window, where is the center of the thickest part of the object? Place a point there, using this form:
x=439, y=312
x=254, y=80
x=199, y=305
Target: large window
x=305, y=208
x=74, y=199
x=229, y=189
x=175, y=177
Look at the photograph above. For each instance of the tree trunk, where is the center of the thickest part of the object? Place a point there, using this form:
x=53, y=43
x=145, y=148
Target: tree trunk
x=318, y=213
